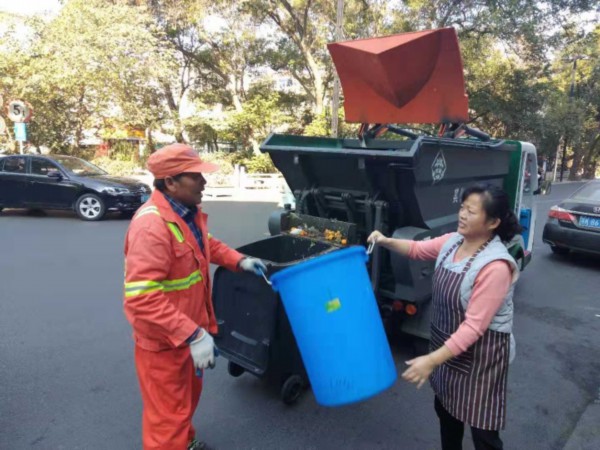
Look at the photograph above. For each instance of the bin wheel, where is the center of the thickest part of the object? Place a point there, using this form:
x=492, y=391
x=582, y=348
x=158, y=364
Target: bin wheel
x=292, y=389
x=235, y=370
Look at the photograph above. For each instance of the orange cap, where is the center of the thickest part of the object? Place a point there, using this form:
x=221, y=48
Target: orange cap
x=174, y=159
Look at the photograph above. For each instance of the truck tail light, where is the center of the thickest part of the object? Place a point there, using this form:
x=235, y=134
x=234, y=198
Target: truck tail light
x=410, y=309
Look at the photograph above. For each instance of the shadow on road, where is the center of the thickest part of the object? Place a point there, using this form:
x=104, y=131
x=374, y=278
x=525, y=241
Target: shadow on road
x=57, y=214
x=576, y=259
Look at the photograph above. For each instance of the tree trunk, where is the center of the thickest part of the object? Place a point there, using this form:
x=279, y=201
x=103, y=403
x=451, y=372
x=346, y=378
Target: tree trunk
x=235, y=93
x=576, y=164
x=179, y=133
x=149, y=140
x=590, y=160
x=255, y=145
x=318, y=83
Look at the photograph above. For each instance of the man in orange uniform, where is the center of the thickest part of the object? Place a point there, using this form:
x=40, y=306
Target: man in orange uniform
x=168, y=250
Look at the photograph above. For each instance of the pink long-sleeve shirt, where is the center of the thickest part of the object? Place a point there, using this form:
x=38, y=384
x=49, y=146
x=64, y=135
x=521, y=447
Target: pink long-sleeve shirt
x=489, y=290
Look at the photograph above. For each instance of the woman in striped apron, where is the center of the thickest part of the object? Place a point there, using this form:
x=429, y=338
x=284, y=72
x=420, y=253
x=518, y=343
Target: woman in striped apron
x=471, y=329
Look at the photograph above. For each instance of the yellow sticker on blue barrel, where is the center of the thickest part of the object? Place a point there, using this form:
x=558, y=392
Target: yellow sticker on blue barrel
x=333, y=305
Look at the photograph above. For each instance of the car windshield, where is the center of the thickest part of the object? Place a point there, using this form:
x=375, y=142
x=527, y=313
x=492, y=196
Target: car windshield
x=589, y=192
x=79, y=166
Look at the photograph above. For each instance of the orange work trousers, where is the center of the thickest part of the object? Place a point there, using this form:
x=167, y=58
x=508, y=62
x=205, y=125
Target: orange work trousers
x=170, y=394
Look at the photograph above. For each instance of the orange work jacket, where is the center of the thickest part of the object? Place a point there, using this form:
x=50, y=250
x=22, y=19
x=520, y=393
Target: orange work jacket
x=167, y=282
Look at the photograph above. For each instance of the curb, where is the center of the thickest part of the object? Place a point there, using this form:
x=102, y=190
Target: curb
x=586, y=435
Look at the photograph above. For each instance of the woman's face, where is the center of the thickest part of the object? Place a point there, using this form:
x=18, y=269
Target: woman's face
x=473, y=221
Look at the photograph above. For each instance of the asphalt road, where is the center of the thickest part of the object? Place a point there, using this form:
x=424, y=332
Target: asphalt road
x=67, y=379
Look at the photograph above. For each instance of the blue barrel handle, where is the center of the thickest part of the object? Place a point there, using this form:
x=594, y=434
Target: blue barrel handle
x=264, y=275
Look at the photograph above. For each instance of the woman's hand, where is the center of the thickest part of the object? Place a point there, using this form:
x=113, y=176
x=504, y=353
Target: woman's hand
x=419, y=370
x=376, y=237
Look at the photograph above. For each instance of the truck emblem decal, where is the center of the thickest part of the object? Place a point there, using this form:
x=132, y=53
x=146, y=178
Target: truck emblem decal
x=458, y=192
x=597, y=209
x=438, y=168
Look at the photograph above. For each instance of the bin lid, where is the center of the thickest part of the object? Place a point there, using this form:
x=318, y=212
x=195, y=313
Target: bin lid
x=405, y=78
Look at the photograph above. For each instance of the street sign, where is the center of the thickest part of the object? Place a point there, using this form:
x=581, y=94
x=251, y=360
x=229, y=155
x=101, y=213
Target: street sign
x=20, y=132
x=19, y=111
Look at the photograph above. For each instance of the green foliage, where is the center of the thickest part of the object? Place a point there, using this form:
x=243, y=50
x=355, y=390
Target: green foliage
x=260, y=163
x=123, y=64
x=319, y=126
x=116, y=167
x=254, y=163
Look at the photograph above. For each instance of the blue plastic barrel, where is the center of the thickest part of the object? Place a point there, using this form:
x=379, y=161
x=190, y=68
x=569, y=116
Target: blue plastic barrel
x=335, y=319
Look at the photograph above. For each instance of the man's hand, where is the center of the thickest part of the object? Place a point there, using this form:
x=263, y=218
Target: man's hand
x=419, y=370
x=203, y=351
x=253, y=265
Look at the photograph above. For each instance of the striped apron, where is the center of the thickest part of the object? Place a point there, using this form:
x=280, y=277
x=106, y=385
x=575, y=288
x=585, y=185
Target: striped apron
x=472, y=385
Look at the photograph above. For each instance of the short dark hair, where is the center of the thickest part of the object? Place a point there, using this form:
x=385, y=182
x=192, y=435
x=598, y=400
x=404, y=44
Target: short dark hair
x=160, y=185
x=496, y=205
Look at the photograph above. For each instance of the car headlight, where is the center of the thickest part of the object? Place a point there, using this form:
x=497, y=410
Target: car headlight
x=115, y=190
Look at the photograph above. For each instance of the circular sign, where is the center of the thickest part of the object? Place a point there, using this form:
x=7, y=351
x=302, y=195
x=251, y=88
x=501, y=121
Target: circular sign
x=19, y=111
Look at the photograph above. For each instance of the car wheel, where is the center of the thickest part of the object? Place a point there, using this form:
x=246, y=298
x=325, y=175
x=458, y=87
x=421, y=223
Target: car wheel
x=90, y=207
x=559, y=250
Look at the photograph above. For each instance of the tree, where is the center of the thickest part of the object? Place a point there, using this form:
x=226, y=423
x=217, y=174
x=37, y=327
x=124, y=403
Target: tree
x=93, y=65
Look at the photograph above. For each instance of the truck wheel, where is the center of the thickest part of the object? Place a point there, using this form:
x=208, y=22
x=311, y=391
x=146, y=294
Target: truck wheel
x=520, y=260
x=292, y=389
x=235, y=370
x=559, y=250
x=90, y=207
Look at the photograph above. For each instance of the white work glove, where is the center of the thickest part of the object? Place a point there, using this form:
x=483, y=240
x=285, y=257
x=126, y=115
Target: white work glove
x=253, y=265
x=203, y=351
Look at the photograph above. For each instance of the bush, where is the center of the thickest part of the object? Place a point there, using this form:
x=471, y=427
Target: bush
x=115, y=167
x=254, y=163
x=260, y=164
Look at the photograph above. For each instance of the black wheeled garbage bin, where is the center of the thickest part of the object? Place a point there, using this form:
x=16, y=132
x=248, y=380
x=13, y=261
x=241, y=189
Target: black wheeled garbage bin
x=254, y=331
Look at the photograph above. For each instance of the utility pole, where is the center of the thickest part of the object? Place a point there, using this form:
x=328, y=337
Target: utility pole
x=335, y=104
x=573, y=59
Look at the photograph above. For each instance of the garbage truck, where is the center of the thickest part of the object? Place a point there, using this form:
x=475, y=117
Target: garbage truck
x=401, y=180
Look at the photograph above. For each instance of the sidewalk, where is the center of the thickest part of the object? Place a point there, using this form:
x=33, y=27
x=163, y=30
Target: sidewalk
x=586, y=435
x=218, y=193
x=241, y=195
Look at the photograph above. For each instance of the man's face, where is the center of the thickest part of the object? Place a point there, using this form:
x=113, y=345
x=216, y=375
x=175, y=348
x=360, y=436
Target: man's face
x=186, y=188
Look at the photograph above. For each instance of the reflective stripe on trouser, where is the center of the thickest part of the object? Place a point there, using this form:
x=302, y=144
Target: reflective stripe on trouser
x=134, y=288
x=170, y=393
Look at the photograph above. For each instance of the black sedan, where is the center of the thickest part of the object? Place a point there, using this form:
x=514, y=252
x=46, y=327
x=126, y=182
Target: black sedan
x=65, y=182
x=574, y=224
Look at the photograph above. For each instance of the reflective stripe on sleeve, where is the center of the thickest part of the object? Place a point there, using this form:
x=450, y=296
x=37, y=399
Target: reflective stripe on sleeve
x=147, y=210
x=135, y=288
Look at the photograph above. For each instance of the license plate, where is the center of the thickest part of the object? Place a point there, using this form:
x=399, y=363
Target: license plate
x=145, y=198
x=589, y=222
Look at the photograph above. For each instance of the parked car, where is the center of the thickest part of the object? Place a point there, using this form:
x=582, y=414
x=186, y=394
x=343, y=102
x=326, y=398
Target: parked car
x=574, y=224
x=65, y=182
